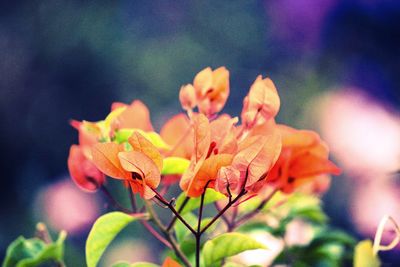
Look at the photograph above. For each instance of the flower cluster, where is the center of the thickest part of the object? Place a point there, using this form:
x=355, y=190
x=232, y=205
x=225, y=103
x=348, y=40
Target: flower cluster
x=217, y=151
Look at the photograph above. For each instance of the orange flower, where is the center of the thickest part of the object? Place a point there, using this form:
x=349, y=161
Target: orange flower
x=83, y=172
x=318, y=186
x=89, y=134
x=211, y=89
x=136, y=115
x=261, y=104
x=187, y=97
x=140, y=167
x=304, y=158
x=170, y=263
x=223, y=134
x=178, y=133
x=202, y=136
x=256, y=156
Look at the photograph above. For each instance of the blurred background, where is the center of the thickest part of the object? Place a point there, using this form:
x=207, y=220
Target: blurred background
x=336, y=64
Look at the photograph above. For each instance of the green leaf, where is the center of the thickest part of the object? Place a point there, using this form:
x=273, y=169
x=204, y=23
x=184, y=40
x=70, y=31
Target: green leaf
x=122, y=136
x=364, y=256
x=181, y=231
x=326, y=235
x=194, y=203
x=227, y=245
x=103, y=232
x=234, y=264
x=183, y=234
x=174, y=165
x=137, y=264
x=307, y=207
x=33, y=252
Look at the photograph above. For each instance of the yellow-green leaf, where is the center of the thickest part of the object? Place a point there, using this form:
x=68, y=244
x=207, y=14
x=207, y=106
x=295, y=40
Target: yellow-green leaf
x=103, y=232
x=174, y=165
x=137, y=264
x=227, y=245
x=122, y=135
x=364, y=256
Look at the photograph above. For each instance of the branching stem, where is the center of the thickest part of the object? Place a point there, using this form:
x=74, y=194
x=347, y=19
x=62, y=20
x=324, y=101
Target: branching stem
x=253, y=213
x=171, y=224
x=168, y=235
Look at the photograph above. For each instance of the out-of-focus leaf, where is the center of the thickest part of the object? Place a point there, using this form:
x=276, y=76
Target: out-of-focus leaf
x=103, y=232
x=174, y=165
x=364, y=256
x=227, y=245
x=137, y=264
x=328, y=248
x=33, y=252
x=234, y=264
x=254, y=225
x=330, y=235
x=302, y=206
x=194, y=203
x=289, y=207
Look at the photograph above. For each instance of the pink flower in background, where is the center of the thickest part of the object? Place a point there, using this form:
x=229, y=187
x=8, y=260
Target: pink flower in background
x=65, y=207
x=299, y=233
x=363, y=135
x=371, y=202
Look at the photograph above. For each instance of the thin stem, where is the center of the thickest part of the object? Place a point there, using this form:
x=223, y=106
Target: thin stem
x=145, y=223
x=223, y=216
x=113, y=201
x=167, y=235
x=177, y=250
x=230, y=203
x=198, y=233
x=156, y=234
x=253, y=213
x=171, y=224
x=171, y=207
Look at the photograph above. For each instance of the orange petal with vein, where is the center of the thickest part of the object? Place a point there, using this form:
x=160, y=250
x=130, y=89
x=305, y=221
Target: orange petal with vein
x=105, y=157
x=257, y=155
x=208, y=172
x=212, y=89
x=202, y=135
x=139, y=163
x=223, y=133
x=261, y=102
x=141, y=144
